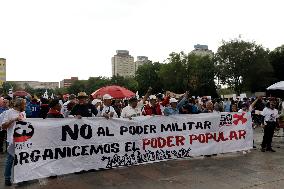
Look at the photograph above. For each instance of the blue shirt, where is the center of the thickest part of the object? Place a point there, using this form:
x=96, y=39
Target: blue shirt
x=171, y=111
x=28, y=109
x=194, y=109
x=227, y=106
x=35, y=110
x=3, y=109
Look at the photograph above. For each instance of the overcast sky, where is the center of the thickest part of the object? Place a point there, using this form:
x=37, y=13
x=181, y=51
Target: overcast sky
x=55, y=39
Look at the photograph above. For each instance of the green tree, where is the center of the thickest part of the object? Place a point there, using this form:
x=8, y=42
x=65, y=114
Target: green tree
x=189, y=72
x=173, y=74
x=94, y=83
x=77, y=86
x=118, y=80
x=240, y=65
x=200, y=73
x=276, y=58
x=260, y=71
x=40, y=91
x=8, y=85
x=131, y=84
x=29, y=89
x=147, y=75
x=60, y=91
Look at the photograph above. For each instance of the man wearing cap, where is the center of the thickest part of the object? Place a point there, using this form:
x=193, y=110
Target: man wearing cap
x=173, y=108
x=83, y=108
x=163, y=100
x=133, y=109
x=97, y=103
x=153, y=108
x=107, y=110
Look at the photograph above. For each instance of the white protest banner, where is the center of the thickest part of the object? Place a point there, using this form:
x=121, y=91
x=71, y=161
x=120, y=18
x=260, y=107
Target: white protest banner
x=50, y=147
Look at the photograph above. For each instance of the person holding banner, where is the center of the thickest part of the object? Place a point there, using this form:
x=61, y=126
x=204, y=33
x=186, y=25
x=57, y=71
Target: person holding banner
x=173, y=108
x=107, y=110
x=54, y=111
x=153, y=108
x=68, y=105
x=11, y=116
x=83, y=108
x=133, y=109
x=209, y=107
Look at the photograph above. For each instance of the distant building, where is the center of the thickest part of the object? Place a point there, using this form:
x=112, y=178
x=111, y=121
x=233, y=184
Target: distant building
x=123, y=64
x=140, y=61
x=202, y=50
x=37, y=84
x=2, y=71
x=68, y=82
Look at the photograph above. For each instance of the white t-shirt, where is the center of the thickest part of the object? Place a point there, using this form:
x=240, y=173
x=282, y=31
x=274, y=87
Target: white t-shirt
x=10, y=115
x=269, y=114
x=128, y=111
x=108, y=109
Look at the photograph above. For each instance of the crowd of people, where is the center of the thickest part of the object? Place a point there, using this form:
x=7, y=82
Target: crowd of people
x=265, y=111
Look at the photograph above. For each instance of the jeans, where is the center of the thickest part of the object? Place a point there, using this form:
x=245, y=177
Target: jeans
x=9, y=166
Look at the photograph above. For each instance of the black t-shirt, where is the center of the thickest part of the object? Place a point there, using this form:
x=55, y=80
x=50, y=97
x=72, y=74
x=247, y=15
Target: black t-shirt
x=84, y=110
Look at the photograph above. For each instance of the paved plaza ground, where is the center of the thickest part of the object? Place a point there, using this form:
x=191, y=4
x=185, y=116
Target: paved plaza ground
x=234, y=170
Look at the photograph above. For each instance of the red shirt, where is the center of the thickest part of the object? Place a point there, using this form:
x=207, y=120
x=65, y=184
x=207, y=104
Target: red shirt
x=150, y=110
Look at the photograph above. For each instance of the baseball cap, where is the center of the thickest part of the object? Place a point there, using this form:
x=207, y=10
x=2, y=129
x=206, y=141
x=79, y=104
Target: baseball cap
x=173, y=100
x=107, y=97
x=95, y=101
x=152, y=97
x=82, y=94
x=71, y=97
